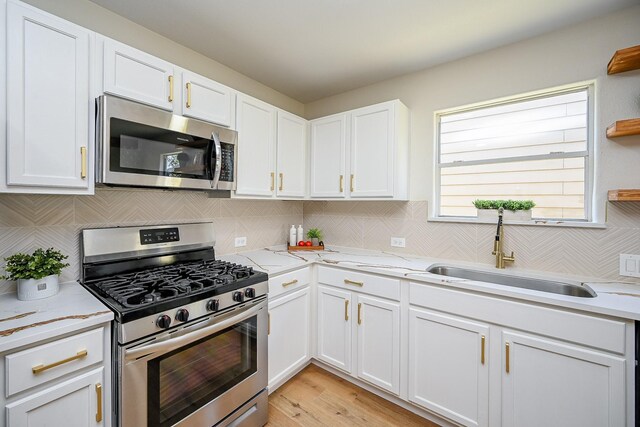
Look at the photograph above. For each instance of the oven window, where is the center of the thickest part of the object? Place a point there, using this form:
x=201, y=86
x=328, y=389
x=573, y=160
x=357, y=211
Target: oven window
x=184, y=380
x=142, y=149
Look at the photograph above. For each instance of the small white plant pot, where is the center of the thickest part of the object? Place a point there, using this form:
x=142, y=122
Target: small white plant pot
x=30, y=289
x=314, y=241
x=491, y=215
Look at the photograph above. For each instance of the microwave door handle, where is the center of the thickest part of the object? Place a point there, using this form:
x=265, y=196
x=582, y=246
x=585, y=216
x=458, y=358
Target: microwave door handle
x=218, y=161
x=182, y=340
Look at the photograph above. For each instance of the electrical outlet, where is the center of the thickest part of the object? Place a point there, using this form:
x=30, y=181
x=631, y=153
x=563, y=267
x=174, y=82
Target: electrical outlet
x=630, y=265
x=241, y=241
x=398, y=242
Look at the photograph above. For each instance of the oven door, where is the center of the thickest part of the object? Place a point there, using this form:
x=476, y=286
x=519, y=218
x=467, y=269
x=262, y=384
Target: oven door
x=198, y=374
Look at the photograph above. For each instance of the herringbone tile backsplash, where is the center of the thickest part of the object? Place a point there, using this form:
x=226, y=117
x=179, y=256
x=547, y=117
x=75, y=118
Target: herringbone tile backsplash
x=579, y=251
x=31, y=221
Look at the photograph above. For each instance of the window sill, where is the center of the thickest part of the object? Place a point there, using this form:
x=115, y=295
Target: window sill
x=532, y=223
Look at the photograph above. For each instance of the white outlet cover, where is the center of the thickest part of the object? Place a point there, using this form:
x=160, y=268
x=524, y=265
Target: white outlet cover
x=630, y=265
x=398, y=242
x=241, y=241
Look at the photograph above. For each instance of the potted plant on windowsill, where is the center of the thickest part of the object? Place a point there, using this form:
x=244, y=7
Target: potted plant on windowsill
x=514, y=210
x=315, y=235
x=36, y=274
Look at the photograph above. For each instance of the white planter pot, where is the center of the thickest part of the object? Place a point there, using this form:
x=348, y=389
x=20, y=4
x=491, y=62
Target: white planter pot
x=30, y=289
x=492, y=215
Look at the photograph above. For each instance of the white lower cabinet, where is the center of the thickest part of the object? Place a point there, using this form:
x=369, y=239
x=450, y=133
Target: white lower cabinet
x=449, y=366
x=334, y=327
x=549, y=383
x=78, y=402
x=289, y=329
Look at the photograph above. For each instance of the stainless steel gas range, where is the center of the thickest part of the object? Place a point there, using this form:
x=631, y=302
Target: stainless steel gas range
x=190, y=331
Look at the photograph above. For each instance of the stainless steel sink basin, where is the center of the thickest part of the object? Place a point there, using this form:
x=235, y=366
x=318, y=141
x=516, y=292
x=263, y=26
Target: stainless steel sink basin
x=563, y=288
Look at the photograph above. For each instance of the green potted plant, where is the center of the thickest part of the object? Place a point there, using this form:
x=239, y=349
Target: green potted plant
x=315, y=235
x=36, y=274
x=514, y=210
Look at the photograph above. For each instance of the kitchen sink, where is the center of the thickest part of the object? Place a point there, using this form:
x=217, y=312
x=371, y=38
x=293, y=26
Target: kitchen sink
x=563, y=288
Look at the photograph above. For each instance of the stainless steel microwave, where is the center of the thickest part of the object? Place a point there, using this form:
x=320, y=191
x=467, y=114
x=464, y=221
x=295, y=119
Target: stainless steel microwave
x=142, y=146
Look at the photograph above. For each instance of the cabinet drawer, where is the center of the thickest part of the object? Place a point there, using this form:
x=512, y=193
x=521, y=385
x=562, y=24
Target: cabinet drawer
x=37, y=365
x=361, y=282
x=289, y=281
x=597, y=332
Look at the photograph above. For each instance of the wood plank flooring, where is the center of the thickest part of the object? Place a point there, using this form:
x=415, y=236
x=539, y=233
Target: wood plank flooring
x=316, y=397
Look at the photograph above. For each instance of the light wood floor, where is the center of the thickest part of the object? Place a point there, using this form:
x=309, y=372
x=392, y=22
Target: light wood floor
x=316, y=397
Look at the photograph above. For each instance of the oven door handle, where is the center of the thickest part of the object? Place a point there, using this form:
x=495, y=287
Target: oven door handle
x=173, y=343
x=217, y=167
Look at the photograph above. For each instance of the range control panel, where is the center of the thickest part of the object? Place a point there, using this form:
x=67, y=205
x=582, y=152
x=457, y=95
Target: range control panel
x=159, y=235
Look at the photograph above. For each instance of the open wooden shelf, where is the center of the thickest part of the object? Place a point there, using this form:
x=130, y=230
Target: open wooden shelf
x=624, y=195
x=624, y=60
x=624, y=128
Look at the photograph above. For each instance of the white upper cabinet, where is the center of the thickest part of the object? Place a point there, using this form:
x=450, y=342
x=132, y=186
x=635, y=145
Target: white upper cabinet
x=205, y=99
x=291, y=155
x=255, y=123
x=373, y=141
x=328, y=150
x=136, y=75
x=49, y=141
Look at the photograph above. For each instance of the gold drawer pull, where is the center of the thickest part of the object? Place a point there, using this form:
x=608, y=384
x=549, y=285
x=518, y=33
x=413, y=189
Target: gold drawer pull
x=482, y=339
x=293, y=282
x=281, y=182
x=351, y=282
x=273, y=177
x=170, y=89
x=346, y=309
x=39, y=368
x=341, y=183
x=99, y=399
x=359, y=314
x=506, y=349
x=83, y=162
x=188, y=95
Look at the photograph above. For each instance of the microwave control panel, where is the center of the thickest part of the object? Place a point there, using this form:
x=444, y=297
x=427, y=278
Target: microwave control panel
x=159, y=235
x=226, y=157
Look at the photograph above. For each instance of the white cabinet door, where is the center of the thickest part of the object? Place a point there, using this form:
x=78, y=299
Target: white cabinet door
x=205, y=99
x=378, y=331
x=48, y=100
x=136, y=75
x=256, y=121
x=328, y=149
x=372, y=151
x=548, y=383
x=449, y=367
x=77, y=402
x=334, y=327
x=289, y=325
x=291, y=155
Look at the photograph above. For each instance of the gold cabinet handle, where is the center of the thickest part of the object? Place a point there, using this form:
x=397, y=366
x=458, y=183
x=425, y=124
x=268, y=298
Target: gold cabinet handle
x=268, y=323
x=341, y=183
x=482, y=339
x=281, y=182
x=359, y=314
x=346, y=309
x=40, y=368
x=506, y=350
x=83, y=162
x=189, y=95
x=351, y=282
x=293, y=282
x=170, y=88
x=273, y=177
x=351, y=183
x=99, y=401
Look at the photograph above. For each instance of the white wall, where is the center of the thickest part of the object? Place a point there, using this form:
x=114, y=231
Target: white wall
x=573, y=54
x=103, y=21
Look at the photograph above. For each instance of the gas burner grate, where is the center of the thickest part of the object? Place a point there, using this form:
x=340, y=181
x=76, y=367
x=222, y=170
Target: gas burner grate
x=162, y=283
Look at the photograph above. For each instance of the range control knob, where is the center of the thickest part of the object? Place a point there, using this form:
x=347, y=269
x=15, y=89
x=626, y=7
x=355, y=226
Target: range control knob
x=182, y=315
x=213, y=305
x=163, y=321
x=250, y=293
x=238, y=296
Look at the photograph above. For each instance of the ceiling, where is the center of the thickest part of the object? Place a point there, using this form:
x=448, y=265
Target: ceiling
x=311, y=49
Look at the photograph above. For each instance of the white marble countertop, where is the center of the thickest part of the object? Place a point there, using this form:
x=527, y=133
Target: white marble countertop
x=614, y=298
x=27, y=322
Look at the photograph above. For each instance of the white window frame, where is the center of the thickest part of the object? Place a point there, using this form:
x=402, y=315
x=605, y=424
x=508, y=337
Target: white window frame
x=588, y=154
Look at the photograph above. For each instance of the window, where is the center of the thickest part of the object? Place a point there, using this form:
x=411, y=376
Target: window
x=528, y=148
